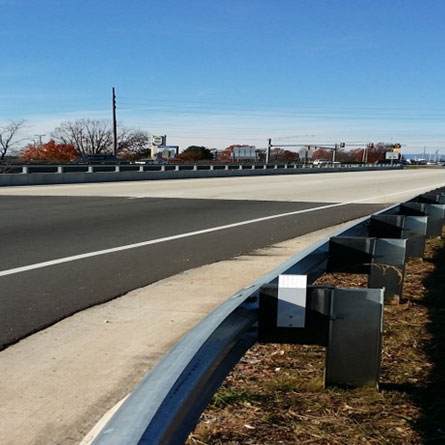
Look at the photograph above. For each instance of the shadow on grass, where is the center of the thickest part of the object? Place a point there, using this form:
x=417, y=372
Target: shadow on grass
x=429, y=394
x=431, y=398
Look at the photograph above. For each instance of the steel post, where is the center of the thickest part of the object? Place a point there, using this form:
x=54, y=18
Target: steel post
x=411, y=228
x=382, y=259
x=434, y=212
x=355, y=338
x=347, y=321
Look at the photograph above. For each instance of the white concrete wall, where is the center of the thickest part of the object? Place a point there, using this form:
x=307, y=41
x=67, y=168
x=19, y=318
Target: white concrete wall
x=11, y=179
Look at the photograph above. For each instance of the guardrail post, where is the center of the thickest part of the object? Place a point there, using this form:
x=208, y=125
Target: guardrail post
x=434, y=212
x=60, y=169
x=275, y=166
x=177, y=168
x=212, y=167
x=226, y=167
x=382, y=259
x=431, y=198
x=141, y=168
x=291, y=313
x=90, y=169
x=25, y=169
x=117, y=168
x=162, y=168
x=240, y=167
x=347, y=321
x=411, y=228
x=355, y=338
x=195, y=168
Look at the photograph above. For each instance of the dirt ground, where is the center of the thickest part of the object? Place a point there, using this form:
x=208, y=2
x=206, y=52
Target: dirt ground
x=275, y=394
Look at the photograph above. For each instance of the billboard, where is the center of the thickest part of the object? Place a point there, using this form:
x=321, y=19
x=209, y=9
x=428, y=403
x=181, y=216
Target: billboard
x=244, y=152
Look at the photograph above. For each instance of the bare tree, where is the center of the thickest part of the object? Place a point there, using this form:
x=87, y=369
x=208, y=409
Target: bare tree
x=88, y=136
x=8, y=134
x=133, y=142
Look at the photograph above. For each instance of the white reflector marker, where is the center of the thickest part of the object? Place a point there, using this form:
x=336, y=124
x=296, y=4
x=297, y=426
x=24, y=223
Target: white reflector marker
x=291, y=301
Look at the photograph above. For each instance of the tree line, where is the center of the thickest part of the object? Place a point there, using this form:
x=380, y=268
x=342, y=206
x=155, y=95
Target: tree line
x=72, y=139
x=371, y=154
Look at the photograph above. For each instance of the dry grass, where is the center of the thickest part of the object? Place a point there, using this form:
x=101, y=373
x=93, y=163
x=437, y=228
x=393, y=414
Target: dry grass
x=275, y=394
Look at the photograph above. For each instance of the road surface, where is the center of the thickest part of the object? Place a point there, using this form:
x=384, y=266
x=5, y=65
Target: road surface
x=66, y=248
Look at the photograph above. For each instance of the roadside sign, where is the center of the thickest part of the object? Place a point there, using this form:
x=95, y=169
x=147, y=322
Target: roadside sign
x=157, y=140
x=391, y=155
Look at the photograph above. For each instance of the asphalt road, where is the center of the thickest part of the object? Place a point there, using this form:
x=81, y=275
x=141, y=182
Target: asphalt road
x=373, y=186
x=37, y=229
x=53, y=223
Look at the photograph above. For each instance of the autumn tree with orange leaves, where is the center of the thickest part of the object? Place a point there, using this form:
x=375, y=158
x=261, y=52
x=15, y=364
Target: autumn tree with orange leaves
x=373, y=153
x=281, y=155
x=50, y=151
x=325, y=154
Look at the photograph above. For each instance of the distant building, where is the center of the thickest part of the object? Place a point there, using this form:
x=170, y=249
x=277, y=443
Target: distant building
x=160, y=149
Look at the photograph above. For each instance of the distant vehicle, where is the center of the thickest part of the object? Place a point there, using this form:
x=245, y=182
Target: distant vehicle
x=325, y=163
x=150, y=162
x=389, y=161
x=99, y=159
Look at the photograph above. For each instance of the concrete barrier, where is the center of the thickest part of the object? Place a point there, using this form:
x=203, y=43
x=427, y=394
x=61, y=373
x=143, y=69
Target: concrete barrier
x=61, y=176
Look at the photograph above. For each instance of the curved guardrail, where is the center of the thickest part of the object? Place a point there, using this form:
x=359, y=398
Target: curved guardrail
x=166, y=405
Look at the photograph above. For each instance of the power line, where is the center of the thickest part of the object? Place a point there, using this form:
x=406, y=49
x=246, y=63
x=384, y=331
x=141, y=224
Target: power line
x=352, y=107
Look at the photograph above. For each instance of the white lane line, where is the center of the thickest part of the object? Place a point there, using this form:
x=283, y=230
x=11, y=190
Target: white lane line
x=156, y=241
x=82, y=256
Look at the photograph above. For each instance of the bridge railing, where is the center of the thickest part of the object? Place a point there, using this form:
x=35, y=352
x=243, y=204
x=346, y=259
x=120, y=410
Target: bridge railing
x=84, y=168
x=166, y=405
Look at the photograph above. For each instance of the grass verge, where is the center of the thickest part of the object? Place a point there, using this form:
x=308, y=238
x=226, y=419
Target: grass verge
x=275, y=394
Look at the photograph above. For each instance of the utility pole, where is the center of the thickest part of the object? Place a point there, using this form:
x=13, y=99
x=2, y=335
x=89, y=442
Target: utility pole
x=113, y=103
x=40, y=137
x=306, y=155
x=269, y=145
x=424, y=152
x=334, y=152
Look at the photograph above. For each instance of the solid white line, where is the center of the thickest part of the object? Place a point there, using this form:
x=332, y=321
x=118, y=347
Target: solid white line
x=197, y=232
x=156, y=241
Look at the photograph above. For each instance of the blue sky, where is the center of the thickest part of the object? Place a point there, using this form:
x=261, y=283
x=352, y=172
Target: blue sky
x=234, y=71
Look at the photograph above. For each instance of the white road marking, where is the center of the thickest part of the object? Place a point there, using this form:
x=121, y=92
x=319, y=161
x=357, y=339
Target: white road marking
x=82, y=256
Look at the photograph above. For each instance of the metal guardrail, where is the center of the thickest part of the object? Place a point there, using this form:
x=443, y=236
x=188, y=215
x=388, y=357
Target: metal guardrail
x=166, y=405
x=83, y=168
